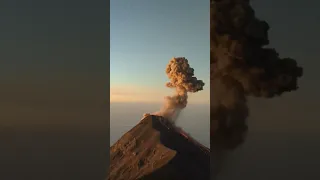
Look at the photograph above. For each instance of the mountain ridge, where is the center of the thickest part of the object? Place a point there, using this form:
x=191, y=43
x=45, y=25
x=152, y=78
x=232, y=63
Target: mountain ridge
x=157, y=149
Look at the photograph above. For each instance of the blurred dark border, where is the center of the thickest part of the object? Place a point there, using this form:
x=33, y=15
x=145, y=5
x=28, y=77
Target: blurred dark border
x=55, y=100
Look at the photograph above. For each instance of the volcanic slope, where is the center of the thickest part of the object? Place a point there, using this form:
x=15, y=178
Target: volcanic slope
x=155, y=149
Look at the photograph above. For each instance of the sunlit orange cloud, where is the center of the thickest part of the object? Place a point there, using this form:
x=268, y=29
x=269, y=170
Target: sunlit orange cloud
x=152, y=95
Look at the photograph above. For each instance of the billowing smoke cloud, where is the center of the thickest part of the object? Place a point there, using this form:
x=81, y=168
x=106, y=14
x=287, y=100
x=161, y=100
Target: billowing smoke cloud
x=182, y=79
x=240, y=67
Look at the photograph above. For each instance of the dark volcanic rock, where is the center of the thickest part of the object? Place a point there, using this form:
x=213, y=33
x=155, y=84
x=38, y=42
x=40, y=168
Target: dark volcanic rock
x=155, y=150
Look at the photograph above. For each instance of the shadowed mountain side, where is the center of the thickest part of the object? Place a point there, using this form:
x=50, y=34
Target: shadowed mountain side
x=154, y=150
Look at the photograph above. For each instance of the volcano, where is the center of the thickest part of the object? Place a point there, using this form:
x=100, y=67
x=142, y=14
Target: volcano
x=157, y=149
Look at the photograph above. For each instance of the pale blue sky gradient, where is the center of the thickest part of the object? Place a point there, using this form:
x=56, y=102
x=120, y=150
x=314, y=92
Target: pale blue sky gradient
x=146, y=34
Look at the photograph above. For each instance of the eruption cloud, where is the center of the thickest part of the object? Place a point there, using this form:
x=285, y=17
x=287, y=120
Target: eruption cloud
x=241, y=67
x=182, y=79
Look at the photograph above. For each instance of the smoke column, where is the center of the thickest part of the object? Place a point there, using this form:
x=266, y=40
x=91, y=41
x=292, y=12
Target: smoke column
x=182, y=79
x=240, y=67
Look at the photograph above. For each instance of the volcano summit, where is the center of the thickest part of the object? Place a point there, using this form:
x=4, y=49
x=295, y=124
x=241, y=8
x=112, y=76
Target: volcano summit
x=156, y=149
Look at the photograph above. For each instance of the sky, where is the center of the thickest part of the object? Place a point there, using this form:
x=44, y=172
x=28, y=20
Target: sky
x=145, y=35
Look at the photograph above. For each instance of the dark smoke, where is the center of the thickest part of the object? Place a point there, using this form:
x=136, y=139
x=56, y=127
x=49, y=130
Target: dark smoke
x=240, y=67
x=182, y=79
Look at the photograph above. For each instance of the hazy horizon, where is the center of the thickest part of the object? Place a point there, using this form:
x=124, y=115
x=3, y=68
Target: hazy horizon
x=194, y=119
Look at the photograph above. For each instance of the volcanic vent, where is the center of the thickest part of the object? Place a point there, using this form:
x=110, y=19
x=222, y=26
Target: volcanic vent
x=156, y=149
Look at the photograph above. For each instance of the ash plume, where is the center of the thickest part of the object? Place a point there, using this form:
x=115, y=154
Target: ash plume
x=240, y=67
x=182, y=79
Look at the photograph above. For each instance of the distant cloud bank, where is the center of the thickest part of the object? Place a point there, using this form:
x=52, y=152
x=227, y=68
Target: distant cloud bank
x=130, y=93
